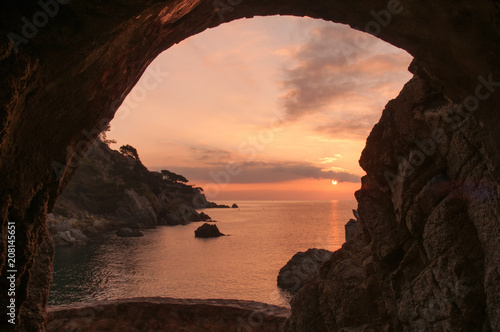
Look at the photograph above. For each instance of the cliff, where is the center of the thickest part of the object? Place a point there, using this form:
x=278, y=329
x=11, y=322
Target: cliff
x=111, y=190
x=427, y=257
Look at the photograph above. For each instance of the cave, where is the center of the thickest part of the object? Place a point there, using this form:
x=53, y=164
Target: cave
x=429, y=254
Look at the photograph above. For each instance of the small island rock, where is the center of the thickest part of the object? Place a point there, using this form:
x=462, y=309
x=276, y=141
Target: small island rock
x=234, y=206
x=207, y=230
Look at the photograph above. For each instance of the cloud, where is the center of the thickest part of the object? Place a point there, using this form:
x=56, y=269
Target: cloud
x=210, y=155
x=353, y=128
x=327, y=160
x=264, y=172
x=336, y=63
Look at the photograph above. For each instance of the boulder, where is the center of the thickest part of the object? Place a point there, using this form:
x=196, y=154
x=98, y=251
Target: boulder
x=128, y=232
x=203, y=216
x=78, y=235
x=63, y=226
x=302, y=267
x=66, y=237
x=234, y=206
x=207, y=230
x=99, y=224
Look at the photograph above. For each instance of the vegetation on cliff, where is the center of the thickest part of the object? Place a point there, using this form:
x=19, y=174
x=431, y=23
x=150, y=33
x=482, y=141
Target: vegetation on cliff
x=113, y=189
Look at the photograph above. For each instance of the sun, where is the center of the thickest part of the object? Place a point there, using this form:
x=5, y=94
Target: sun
x=334, y=182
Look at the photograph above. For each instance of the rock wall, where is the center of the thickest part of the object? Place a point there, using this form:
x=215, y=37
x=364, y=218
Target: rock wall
x=428, y=258
x=167, y=314
x=302, y=267
x=62, y=81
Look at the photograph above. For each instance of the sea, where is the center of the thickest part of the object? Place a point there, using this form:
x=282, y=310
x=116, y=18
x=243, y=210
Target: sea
x=170, y=262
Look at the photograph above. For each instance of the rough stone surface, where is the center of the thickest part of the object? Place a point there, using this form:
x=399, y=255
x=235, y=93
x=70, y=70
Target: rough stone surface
x=353, y=227
x=34, y=307
x=302, y=267
x=61, y=87
x=167, y=314
x=121, y=191
x=427, y=259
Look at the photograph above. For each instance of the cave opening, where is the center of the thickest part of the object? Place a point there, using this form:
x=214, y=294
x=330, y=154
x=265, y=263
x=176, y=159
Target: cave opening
x=268, y=112
x=61, y=85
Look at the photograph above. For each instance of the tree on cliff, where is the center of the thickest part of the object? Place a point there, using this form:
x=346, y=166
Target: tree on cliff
x=129, y=151
x=171, y=176
x=104, y=137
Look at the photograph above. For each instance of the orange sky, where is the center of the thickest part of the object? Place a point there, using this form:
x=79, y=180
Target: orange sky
x=263, y=108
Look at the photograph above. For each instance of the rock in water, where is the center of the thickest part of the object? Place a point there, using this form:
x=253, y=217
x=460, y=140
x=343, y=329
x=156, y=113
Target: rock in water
x=207, y=230
x=234, y=206
x=302, y=267
x=203, y=216
x=128, y=232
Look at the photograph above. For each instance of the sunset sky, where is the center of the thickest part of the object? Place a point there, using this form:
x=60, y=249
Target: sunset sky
x=263, y=108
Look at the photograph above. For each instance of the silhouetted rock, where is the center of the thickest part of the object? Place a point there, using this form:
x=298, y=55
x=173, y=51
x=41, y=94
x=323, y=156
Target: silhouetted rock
x=301, y=268
x=113, y=191
x=212, y=205
x=422, y=260
x=128, y=232
x=353, y=227
x=234, y=206
x=203, y=216
x=169, y=219
x=207, y=230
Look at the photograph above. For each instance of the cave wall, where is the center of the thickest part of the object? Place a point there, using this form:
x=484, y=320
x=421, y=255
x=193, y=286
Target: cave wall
x=63, y=79
x=427, y=259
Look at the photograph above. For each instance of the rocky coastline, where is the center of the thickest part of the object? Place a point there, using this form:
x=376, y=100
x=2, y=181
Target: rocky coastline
x=301, y=268
x=115, y=194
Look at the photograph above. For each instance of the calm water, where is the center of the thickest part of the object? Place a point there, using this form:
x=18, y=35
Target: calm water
x=170, y=261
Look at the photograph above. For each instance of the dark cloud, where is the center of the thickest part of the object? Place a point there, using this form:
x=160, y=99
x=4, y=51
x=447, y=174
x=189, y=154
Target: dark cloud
x=354, y=128
x=264, y=172
x=210, y=155
x=336, y=62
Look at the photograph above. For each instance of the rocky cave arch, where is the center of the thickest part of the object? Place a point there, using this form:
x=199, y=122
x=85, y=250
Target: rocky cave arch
x=66, y=66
